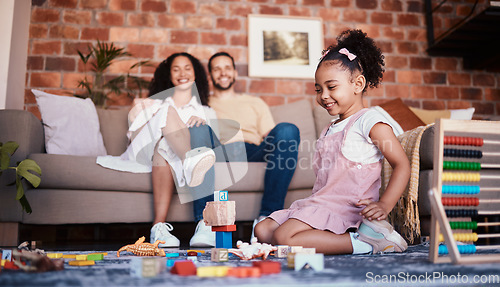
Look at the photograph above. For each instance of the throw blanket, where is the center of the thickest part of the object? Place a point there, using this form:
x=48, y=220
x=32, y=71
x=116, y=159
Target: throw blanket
x=405, y=215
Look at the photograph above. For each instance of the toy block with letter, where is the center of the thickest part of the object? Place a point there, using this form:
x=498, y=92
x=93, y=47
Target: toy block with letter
x=147, y=267
x=219, y=255
x=219, y=213
x=314, y=261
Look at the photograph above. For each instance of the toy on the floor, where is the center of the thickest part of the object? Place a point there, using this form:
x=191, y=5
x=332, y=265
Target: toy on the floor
x=221, y=215
x=142, y=248
x=35, y=262
x=254, y=250
x=466, y=187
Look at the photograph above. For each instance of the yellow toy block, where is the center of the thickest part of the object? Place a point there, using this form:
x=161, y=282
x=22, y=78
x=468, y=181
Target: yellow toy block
x=69, y=256
x=81, y=257
x=81, y=262
x=54, y=255
x=3, y=262
x=212, y=271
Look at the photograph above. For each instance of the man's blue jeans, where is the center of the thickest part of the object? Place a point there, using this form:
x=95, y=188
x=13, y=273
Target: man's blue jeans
x=279, y=149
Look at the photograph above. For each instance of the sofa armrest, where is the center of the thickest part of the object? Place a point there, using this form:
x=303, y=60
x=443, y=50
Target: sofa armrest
x=25, y=129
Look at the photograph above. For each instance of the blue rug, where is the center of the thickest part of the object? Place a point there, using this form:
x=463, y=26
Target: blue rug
x=403, y=269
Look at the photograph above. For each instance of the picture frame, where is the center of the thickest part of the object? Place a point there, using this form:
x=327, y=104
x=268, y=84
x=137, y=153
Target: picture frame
x=284, y=46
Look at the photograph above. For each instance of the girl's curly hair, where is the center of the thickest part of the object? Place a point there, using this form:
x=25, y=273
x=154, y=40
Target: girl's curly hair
x=369, y=59
x=161, y=79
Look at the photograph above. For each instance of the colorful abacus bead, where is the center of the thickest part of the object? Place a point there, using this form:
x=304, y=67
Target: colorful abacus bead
x=461, y=176
x=467, y=153
x=461, y=212
x=460, y=201
x=460, y=189
x=462, y=249
x=459, y=165
x=469, y=141
x=463, y=225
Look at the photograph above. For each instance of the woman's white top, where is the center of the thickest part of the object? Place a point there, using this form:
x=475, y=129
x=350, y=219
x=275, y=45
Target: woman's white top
x=358, y=146
x=149, y=121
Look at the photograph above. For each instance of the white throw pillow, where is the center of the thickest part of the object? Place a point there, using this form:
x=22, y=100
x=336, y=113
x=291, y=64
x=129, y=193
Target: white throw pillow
x=71, y=125
x=462, y=114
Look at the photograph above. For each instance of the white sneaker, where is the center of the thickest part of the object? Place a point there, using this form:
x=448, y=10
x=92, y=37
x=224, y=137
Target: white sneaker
x=161, y=231
x=255, y=221
x=198, y=161
x=203, y=236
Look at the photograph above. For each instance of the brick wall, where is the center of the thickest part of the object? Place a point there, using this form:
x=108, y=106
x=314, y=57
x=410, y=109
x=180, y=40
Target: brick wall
x=153, y=29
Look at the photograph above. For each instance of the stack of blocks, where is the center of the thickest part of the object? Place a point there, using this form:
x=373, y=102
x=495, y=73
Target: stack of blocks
x=221, y=215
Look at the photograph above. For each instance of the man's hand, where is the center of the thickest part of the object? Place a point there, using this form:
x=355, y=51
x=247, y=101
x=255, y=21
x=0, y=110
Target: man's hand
x=373, y=210
x=195, y=121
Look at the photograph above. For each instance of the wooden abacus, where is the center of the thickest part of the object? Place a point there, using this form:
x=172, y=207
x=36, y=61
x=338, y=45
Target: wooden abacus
x=462, y=183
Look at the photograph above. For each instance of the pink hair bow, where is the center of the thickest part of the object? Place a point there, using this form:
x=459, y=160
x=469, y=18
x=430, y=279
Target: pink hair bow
x=346, y=52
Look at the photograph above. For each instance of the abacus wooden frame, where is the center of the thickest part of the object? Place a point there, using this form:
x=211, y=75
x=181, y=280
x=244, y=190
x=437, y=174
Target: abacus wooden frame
x=439, y=220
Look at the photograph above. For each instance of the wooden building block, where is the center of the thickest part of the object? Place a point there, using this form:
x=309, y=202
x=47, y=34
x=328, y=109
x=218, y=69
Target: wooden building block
x=184, y=268
x=223, y=239
x=174, y=254
x=95, y=257
x=307, y=251
x=3, y=262
x=69, y=256
x=219, y=213
x=295, y=249
x=212, y=271
x=243, y=272
x=81, y=262
x=54, y=255
x=314, y=261
x=224, y=228
x=146, y=266
x=195, y=250
x=267, y=267
x=7, y=254
x=81, y=257
x=219, y=255
x=221, y=195
x=282, y=251
x=103, y=253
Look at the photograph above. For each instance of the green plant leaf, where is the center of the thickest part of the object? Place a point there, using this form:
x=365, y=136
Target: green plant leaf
x=25, y=204
x=6, y=151
x=25, y=169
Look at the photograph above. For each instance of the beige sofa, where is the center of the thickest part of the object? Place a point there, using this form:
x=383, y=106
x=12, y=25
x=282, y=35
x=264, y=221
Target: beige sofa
x=75, y=190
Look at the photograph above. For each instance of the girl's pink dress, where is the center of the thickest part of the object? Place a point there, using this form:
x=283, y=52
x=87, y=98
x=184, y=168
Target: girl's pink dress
x=340, y=183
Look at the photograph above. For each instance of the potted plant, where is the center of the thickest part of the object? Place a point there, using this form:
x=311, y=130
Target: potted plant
x=26, y=169
x=100, y=57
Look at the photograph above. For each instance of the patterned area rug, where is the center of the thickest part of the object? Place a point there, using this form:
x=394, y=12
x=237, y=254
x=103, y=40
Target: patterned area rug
x=403, y=269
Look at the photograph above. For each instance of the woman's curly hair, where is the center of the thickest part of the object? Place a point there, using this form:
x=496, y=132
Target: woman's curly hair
x=161, y=80
x=369, y=59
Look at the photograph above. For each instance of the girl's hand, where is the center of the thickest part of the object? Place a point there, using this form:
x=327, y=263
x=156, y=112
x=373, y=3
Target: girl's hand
x=373, y=210
x=195, y=121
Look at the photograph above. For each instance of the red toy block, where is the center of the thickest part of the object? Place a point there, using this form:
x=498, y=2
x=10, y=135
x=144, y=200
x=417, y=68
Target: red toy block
x=224, y=228
x=243, y=272
x=268, y=267
x=10, y=265
x=184, y=268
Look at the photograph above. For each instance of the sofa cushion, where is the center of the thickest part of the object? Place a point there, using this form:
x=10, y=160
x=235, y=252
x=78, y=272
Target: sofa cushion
x=300, y=114
x=402, y=114
x=71, y=125
x=114, y=127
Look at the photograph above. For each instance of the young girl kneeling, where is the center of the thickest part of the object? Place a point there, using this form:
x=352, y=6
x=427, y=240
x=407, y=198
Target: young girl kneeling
x=344, y=214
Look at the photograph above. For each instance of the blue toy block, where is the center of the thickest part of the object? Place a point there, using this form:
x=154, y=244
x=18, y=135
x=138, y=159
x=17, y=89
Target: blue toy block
x=223, y=239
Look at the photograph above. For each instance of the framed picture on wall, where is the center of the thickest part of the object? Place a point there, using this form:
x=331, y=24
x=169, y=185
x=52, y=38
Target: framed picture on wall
x=284, y=46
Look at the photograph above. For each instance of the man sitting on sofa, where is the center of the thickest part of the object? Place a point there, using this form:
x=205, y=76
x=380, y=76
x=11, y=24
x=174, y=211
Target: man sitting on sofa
x=264, y=141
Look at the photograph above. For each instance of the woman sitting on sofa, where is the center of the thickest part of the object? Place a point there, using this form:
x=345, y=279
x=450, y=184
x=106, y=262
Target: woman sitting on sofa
x=168, y=132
